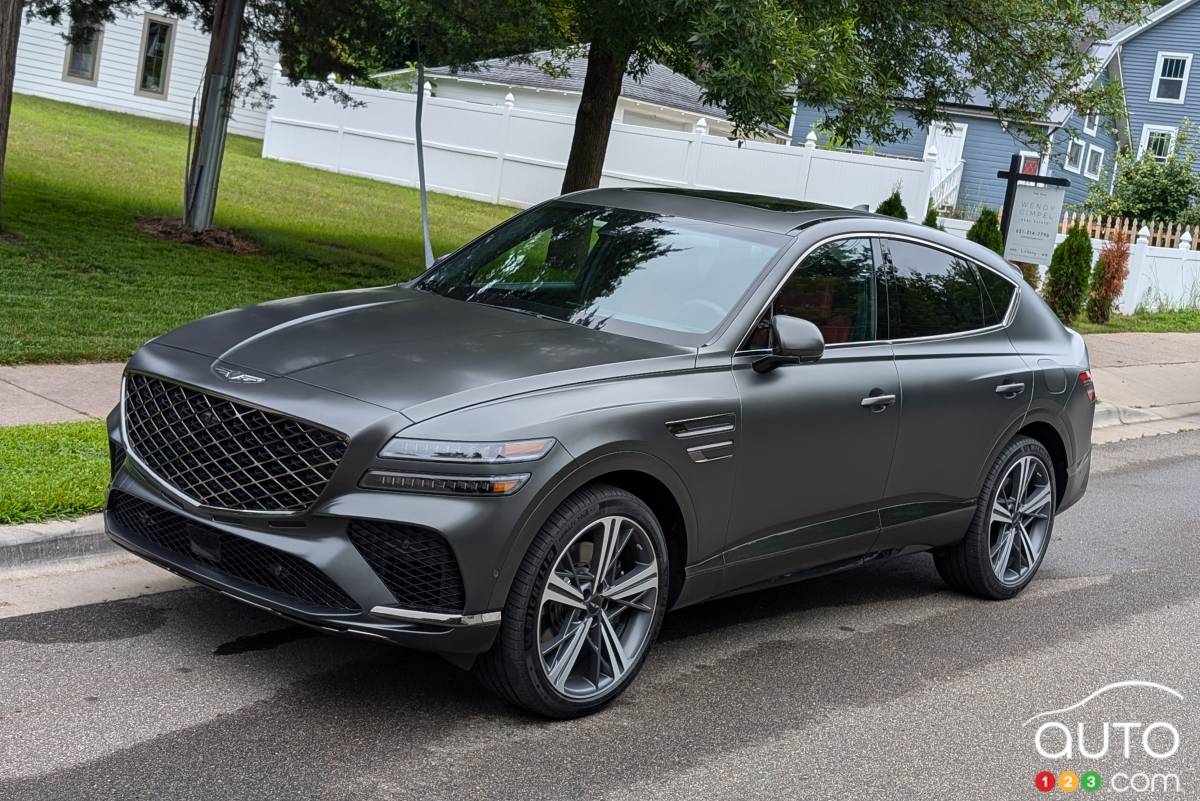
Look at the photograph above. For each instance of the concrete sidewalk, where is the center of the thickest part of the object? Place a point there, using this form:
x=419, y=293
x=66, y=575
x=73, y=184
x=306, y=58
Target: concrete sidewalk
x=1140, y=378
x=58, y=393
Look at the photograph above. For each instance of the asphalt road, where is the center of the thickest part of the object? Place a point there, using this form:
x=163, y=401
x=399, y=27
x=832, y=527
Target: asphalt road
x=876, y=684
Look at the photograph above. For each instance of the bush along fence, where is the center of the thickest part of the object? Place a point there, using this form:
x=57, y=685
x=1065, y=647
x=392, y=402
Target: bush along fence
x=1160, y=277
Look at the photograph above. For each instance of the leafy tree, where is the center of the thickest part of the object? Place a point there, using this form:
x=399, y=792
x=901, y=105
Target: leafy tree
x=1108, y=277
x=893, y=206
x=1147, y=189
x=986, y=231
x=1070, y=267
x=858, y=61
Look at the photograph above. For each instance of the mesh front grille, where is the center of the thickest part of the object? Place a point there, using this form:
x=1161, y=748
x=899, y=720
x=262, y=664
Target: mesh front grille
x=191, y=543
x=224, y=454
x=414, y=563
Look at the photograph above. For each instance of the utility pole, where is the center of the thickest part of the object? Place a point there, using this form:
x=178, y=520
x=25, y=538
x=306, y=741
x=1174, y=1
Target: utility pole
x=220, y=73
x=10, y=32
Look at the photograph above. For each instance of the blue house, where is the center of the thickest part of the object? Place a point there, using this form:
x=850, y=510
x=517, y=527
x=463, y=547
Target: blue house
x=1151, y=59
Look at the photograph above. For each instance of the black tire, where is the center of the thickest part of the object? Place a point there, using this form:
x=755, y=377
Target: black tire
x=967, y=566
x=513, y=667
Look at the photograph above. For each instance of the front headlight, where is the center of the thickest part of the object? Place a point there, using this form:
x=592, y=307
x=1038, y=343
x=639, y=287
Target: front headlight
x=430, y=450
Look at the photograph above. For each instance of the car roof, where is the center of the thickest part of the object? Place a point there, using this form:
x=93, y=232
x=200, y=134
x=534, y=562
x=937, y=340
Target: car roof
x=776, y=214
x=779, y=215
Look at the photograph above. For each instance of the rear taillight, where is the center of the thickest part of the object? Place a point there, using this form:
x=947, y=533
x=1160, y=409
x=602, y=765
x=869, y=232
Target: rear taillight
x=1085, y=378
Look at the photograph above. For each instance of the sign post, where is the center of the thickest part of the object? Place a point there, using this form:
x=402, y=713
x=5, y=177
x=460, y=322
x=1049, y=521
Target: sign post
x=1031, y=213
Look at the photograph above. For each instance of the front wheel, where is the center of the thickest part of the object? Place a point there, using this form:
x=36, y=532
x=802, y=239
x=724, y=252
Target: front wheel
x=584, y=607
x=1010, y=532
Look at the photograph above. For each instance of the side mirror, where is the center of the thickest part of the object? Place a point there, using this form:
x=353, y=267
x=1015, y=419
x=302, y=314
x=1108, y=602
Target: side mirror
x=795, y=341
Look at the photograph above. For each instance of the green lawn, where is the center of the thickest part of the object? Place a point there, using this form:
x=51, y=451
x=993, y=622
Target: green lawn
x=52, y=471
x=80, y=282
x=1153, y=322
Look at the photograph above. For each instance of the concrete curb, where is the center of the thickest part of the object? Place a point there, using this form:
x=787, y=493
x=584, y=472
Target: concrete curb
x=40, y=543
x=1108, y=414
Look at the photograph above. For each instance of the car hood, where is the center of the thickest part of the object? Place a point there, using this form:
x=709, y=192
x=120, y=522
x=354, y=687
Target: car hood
x=402, y=349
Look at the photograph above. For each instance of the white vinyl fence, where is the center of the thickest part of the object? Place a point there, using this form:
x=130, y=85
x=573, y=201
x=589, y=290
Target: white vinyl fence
x=1159, y=278
x=504, y=154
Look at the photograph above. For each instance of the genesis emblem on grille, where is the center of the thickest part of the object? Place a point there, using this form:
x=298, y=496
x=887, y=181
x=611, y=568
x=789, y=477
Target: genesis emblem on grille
x=236, y=376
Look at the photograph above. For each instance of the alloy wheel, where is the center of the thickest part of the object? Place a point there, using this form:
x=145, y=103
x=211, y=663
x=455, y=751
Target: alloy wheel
x=597, y=607
x=1020, y=519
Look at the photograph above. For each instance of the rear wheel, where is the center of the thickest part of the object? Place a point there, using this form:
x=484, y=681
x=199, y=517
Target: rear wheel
x=584, y=608
x=1011, y=530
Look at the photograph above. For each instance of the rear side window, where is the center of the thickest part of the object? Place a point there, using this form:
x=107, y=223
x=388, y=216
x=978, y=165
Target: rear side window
x=834, y=288
x=933, y=293
x=999, y=293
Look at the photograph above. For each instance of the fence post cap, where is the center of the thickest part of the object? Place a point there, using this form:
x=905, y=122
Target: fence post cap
x=428, y=89
x=701, y=126
x=1185, y=240
x=811, y=139
x=331, y=78
x=931, y=153
x=277, y=69
x=509, y=100
x=1143, y=236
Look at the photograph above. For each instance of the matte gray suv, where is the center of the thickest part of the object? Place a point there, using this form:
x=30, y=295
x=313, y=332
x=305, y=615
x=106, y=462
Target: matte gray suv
x=616, y=403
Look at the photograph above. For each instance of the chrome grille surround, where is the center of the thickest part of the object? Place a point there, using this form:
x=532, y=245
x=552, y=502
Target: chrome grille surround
x=225, y=454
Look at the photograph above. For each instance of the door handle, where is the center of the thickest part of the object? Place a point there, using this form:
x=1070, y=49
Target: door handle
x=878, y=402
x=1010, y=390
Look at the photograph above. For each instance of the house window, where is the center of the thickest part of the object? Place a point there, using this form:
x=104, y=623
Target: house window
x=83, y=55
x=1091, y=123
x=1031, y=163
x=1074, y=162
x=1095, y=160
x=1171, y=77
x=1158, y=141
x=154, y=69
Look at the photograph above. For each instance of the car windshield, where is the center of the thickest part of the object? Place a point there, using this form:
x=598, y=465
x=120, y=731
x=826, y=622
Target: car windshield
x=630, y=272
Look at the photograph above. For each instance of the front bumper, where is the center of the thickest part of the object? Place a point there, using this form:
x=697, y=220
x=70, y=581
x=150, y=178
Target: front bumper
x=369, y=609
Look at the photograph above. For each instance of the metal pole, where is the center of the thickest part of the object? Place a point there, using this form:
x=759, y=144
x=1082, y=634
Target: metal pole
x=421, y=166
x=1010, y=193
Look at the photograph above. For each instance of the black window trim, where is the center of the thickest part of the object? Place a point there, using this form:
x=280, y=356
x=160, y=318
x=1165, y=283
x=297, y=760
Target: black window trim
x=877, y=237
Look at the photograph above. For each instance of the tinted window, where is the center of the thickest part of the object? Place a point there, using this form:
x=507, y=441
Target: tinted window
x=999, y=292
x=620, y=270
x=834, y=288
x=933, y=292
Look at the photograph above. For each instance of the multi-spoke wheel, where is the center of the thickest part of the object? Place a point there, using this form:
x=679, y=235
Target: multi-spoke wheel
x=597, y=607
x=584, y=608
x=1012, y=525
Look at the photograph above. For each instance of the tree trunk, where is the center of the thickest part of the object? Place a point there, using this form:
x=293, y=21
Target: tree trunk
x=220, y=74
x=10, y=31
x=593, y=121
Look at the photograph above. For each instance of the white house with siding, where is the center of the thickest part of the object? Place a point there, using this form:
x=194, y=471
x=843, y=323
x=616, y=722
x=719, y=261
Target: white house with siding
x=145, y=64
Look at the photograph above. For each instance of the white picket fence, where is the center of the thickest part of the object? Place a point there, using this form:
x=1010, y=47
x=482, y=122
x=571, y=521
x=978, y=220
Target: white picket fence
x=504, y=154
x=1159, y=277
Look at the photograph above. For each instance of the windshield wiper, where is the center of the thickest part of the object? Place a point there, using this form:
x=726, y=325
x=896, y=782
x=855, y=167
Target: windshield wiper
x=519, y=310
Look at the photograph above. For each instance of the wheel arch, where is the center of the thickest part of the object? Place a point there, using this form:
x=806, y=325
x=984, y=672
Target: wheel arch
x=1052, y=440
x=650, y=479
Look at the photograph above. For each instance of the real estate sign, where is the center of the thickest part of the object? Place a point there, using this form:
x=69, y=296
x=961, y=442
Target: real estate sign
x=1033, y=228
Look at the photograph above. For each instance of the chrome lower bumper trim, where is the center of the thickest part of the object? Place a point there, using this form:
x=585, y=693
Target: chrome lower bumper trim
x=437, y=618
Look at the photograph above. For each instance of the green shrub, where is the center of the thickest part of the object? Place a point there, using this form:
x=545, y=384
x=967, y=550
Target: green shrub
x=931, y=218
x=893, y=207
x=1030, y=273
x=1147, y=189
x=986, y=231
x=1108, y=277
x=1070, y=268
